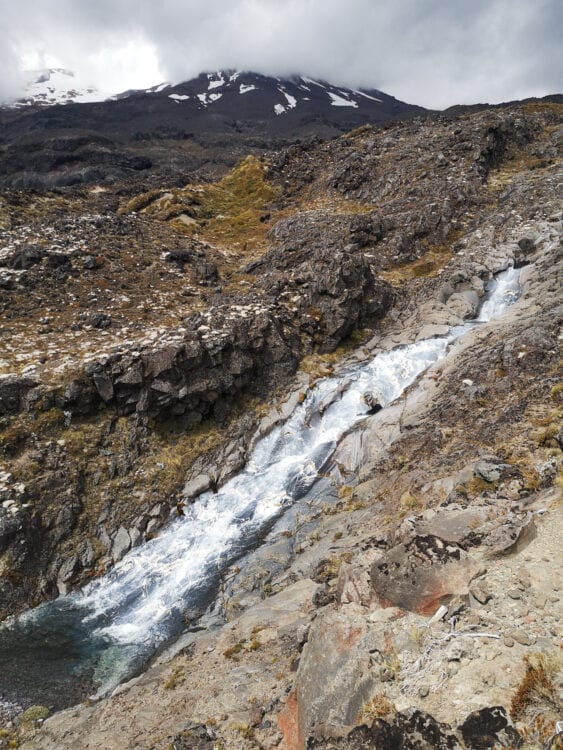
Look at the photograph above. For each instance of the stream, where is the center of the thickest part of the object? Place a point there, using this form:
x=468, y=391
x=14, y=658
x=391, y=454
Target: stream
x=91, y=640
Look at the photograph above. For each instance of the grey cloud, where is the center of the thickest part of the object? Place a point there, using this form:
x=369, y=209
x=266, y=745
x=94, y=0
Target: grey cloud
x=432, y=52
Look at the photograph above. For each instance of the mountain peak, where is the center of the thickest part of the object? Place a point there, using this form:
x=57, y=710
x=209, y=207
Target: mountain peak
x=48, y=86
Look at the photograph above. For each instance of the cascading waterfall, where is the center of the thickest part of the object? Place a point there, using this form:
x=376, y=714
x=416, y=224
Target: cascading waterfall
x=108, y=631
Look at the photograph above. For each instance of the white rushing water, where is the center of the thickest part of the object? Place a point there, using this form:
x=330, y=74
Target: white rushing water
x=131, y=606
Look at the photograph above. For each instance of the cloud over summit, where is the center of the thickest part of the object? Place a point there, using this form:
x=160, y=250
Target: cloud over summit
x=430, y=52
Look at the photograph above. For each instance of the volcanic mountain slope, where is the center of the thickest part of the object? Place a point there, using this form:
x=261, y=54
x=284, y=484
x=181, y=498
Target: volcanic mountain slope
x=204, y=124
x=56, y=86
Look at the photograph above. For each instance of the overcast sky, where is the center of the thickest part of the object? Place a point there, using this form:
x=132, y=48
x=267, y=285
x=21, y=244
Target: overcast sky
x=430, y=52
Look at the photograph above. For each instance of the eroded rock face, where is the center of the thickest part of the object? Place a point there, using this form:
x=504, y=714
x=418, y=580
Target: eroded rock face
x=217, y=359
x=421, y=573
x=330, y=290
x=337, y=657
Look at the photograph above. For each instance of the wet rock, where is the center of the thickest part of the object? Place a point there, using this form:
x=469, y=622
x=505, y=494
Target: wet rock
x=373, y=402
x=488, y=728
x=67, y=569
x=464, y=304
x=121, y=544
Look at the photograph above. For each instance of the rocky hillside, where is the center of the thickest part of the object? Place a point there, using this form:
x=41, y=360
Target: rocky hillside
x=165, y=133
x=413, y=602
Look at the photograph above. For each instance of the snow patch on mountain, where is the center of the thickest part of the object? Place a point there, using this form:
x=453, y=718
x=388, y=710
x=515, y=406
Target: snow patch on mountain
x=291, y=100
x=58, y=86
x=340, y=101
x=216, y=80
x=367, y=96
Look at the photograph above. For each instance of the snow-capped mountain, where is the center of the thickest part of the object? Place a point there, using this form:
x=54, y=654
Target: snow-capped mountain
x=245, y=91
x=57, y=86
x=248, y=91
x=201, y=126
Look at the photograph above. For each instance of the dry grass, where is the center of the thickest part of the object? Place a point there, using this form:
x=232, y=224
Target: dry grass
x=378, y=707
x=536, y=689
x=228, y=213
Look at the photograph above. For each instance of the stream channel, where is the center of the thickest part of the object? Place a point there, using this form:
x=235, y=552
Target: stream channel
x=91, y=640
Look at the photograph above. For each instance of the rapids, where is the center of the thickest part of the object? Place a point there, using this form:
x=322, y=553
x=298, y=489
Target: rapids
x=93, y=639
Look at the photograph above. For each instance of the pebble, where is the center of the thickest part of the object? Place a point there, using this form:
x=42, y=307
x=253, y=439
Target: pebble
x=514, y=594
x=424, y=691
x=508, y=641
x=481, y=593
x=520, y=637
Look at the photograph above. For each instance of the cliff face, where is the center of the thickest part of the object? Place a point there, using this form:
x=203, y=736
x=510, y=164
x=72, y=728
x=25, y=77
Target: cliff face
x=147, y=336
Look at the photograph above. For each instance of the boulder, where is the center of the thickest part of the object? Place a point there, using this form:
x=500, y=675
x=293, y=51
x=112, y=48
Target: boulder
x=13, y=393
x=421, y=574
x=488, y=728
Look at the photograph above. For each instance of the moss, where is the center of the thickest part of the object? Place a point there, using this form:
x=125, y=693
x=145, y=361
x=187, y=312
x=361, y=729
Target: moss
x=556, y=393
x=427, y=266
x=34, y=713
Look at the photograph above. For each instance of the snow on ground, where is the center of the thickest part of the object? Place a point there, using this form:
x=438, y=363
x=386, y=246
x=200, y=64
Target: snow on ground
x=59, y=86
x=244, y=88
x=178, y=97
x=340, y=101
x=279, y=109
x=160, y=87
x=291, y=100
x=215, y=82
x=311, y=80
x=367, y=96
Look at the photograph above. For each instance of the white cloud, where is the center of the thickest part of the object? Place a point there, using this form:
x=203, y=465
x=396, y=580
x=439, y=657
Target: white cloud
x=432, y=52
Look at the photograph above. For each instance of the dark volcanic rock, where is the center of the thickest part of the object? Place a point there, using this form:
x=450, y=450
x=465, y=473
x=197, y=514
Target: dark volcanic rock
x=332, y=290
x=13, y=393
x=489, y=728
x=414, y=730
